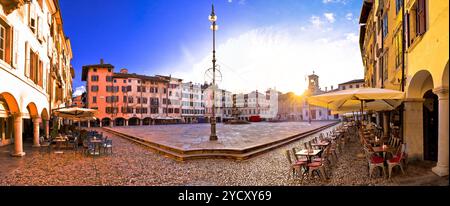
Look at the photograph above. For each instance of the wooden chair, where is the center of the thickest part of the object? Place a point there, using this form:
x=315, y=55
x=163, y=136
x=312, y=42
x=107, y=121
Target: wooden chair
x=295, y=168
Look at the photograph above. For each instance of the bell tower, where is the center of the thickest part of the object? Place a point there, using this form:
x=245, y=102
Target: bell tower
x=313, y=83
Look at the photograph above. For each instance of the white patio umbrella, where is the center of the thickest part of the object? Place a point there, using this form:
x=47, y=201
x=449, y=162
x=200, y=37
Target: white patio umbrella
x=375, y=99
x=76, y=114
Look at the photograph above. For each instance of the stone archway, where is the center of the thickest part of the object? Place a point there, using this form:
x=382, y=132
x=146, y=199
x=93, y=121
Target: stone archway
x=430, y=125
x=106, y=122
x=134, y=121
x=420, y=83
x=119, y=121
x=442, y=168
x=8, y=108
x=147, y=121
x=12, y=122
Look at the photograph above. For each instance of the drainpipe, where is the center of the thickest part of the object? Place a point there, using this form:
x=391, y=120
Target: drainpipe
x=403, y=67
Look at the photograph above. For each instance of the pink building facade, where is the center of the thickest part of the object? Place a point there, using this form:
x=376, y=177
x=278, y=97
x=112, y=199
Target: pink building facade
x=124, y=99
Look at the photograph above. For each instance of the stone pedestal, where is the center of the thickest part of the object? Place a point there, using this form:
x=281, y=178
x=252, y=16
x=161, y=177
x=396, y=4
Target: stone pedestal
x=18, y=144
x=413, y=128
x=441, y=168
x=36, y=122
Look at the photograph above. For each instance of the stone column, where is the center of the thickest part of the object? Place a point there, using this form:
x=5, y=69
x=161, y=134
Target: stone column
x=100, y=125
x=111, y=123
x=441, y=168
x=36, y=122
x=386, y=124
x=18, y=144
x=89, y=124
x=126, y=122
x=413, y=128
x=140, y=122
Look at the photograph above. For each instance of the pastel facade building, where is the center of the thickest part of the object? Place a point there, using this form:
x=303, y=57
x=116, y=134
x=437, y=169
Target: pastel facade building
x=35, y=70
x=192, y=103
x=124, y=99
x=256, y=105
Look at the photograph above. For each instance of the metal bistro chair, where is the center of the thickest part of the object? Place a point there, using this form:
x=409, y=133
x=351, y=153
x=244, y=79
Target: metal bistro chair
x=45, y=144
x=107, y=145
x=73, y=143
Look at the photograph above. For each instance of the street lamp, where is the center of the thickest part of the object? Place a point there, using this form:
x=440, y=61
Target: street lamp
x=214, y=27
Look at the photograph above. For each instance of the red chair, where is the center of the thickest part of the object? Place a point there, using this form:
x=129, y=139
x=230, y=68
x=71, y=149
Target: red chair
x=374, y=162
x=396, y=160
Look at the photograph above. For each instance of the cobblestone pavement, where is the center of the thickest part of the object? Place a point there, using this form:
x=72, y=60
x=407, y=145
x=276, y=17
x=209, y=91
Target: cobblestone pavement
x=133, y=164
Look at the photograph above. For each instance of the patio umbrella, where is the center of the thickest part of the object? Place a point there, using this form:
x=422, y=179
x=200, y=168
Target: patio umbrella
x=77, y=114
x=349, y=100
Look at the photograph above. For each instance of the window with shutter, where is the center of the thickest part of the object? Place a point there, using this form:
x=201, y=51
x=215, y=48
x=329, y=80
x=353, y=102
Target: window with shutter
x=421, y=17
x=6, y=42
x=32, y=16
x=15, y=53
x=31, y=59
x=2, y=42
x=41, y=74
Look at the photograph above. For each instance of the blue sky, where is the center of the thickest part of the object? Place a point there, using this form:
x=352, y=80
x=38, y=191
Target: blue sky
x=260, y=43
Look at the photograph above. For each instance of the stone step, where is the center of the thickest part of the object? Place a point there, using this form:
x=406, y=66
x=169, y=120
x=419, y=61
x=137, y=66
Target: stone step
x=236, y=154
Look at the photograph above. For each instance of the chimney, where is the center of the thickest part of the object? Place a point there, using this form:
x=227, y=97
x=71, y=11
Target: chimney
x=101, y=61
x=326, y=89
x=331, y=87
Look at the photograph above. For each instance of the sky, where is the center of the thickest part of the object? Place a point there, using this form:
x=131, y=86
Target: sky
x=260, y=44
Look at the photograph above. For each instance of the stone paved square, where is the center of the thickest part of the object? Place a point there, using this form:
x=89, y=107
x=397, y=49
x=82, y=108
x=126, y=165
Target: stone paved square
x=196, y=136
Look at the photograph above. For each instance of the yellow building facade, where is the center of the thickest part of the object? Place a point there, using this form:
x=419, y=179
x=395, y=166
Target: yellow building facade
x=411, y=54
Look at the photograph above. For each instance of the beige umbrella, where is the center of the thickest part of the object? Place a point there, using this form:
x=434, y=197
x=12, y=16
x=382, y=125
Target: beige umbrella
x=76, y=114
x=349, y=100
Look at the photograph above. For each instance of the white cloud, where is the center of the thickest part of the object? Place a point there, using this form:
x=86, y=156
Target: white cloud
x=349, y=16
x=330, y=17
x=242, y=2
x=230, y=1
x=79, y=91
x=281, y=57
x=352, y=37
x=316, y=22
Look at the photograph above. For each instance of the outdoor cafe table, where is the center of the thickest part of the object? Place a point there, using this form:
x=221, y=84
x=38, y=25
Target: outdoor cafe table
x=59, y=141
x=321, y=144
x=97, y=143
x=384, y=149
x=305, y=152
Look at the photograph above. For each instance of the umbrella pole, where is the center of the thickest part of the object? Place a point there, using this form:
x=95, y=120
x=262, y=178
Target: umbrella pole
x=362, y=113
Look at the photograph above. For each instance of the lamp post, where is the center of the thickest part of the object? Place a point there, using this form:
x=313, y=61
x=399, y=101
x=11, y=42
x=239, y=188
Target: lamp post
x=214, y=27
